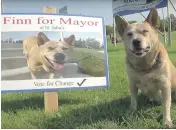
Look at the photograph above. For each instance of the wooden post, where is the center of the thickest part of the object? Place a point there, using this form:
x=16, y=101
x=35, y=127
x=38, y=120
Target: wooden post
x=50, y=98
x=164, y=26
x=49, y=10
x=169, y=20
x=114, y=31
x=51, y=101
x=61, y=35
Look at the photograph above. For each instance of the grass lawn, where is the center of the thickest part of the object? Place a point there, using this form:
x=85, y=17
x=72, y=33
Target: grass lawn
x=95, y=108
x=90, y=61
x=81, y=53
x=92, y=66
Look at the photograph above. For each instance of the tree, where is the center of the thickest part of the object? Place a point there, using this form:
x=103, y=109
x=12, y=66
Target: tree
x=92, y=43
x=80, y=43
x=109, y=29
x=173, y=22
x=10, y=40
x=88, y=43
x=158, y=22
x=161, y=27
x=132, y=22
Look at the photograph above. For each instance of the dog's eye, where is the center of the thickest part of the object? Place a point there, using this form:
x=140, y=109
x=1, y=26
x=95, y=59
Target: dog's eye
x=145, y=31
x=130, y=34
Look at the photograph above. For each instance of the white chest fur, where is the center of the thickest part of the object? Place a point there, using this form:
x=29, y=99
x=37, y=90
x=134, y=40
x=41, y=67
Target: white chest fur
x=149, y=83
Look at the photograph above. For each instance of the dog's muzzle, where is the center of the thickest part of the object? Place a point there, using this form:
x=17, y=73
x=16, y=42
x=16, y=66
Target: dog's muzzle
x=141, y=51
x=59, y=58
x=58, y=63
x=137, y=48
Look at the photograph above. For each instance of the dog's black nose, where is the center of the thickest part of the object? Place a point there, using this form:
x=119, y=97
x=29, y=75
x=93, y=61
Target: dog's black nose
x=136, y=43
x=59, y=56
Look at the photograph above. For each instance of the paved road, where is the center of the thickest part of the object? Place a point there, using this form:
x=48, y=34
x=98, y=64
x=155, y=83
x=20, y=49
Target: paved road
x=11, y=52
x=70, y=71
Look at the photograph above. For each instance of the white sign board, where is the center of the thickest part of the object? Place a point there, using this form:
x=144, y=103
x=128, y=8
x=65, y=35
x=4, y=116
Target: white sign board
x=11, y=23
x=34, y=58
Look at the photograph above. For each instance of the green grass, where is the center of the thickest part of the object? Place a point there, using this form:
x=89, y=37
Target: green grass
x=95, y=108
x=90, y=61
x=92, y=66
x=80, y=54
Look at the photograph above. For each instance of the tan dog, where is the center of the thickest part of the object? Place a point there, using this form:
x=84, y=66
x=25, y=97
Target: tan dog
x=148, y=65
x=48, y=54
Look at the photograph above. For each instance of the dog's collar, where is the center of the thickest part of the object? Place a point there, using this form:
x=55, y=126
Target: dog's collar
x=157, y=59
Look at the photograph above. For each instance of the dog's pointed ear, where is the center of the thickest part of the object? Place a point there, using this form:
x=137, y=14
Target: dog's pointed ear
x=152, y=18
x=121, y=25
x=42, y=38
x=70, y=40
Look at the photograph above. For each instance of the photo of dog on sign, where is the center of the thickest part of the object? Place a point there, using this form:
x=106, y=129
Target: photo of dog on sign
x=44, y=55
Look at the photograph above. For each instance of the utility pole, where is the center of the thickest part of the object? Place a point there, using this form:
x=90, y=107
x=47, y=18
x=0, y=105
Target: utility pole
x=164, y=26
x=114, y=31
x=169, y=20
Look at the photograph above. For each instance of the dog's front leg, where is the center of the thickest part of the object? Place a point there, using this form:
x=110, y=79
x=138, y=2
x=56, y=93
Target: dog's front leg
x=51, y=75
x=166, y=94
x=33, y=75
x=133, y=91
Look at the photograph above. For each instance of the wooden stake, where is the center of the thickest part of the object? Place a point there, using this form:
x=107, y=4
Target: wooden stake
x=50, y=98
x=49, y=10
x=114, y=31
x=51, y=101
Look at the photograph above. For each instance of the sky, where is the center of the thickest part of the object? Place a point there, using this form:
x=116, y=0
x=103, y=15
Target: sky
x=86, y=7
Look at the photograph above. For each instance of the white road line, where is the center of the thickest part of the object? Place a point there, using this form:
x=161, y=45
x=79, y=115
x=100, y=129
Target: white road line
x=23, y=70
x=12, y=72
x=17, y=57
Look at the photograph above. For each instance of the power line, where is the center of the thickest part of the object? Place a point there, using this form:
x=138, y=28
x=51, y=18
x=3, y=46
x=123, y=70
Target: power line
x=172, y=5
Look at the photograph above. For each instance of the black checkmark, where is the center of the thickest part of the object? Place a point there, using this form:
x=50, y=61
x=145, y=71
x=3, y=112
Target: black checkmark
x=81, y=82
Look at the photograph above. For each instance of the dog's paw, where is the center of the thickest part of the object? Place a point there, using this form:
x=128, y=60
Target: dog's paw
x=132, y=109
x=168, y=124
x=153, y=102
